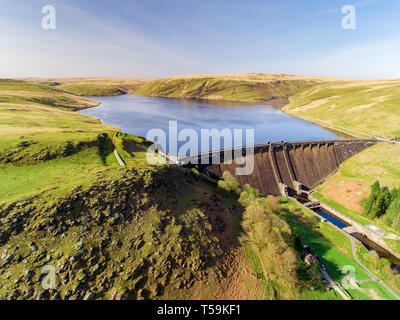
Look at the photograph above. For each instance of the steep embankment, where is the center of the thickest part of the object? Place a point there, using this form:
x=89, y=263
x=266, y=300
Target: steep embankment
x=257, y=87
x=37, y=122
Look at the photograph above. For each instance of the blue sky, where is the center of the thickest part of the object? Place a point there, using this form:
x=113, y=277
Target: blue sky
x=157, y=38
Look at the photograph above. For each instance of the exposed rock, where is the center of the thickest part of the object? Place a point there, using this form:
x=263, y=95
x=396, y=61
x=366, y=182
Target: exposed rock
x=33, y=246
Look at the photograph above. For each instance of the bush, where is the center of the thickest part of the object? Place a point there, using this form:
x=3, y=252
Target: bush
x=247, y=196
x=229, y=183
x=273, y=204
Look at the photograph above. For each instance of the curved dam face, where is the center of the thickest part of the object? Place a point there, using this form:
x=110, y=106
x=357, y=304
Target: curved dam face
x=283, y=168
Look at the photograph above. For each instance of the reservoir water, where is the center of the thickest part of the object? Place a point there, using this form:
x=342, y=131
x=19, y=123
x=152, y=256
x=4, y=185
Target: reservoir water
x=137, y=115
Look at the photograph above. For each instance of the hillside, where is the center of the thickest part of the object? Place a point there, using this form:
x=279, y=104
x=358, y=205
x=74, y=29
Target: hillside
x=256, y=87
x=367, y=107
x=140, y=231
x=92, y=87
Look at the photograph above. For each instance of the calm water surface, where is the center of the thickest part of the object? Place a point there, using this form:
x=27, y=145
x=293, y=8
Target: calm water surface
x=137, y=115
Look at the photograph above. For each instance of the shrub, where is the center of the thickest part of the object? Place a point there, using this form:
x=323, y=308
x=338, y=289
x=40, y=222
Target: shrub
x=229, y=183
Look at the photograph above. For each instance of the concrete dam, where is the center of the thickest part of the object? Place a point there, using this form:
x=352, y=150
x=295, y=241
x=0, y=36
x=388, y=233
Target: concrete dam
x=283, y=168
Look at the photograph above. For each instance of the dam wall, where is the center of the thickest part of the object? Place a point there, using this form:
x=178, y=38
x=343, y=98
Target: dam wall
x=282, y=164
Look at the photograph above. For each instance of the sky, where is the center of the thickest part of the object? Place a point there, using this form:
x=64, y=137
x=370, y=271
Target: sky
x=159, y=38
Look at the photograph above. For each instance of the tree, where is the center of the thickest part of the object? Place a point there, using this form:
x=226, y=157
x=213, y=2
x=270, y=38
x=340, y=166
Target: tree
x=369, y=204
x=381, y=204
x=393, y=212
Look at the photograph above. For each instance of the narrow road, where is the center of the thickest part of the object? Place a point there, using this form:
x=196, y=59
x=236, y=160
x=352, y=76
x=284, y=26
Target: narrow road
x=119, y=160
x=335, y=286
x=116, y=155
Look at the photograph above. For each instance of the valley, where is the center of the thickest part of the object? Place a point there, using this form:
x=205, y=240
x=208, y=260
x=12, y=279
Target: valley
x=163, y=232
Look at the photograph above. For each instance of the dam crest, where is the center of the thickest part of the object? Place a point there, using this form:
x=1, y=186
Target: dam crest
x=283, y=168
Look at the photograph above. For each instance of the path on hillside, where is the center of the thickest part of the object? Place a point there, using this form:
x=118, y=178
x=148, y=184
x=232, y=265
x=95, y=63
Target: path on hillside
x=119, y=160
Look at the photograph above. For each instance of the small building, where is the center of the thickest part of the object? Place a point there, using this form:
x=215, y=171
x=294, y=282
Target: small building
x=309, y=259
x=308, y=256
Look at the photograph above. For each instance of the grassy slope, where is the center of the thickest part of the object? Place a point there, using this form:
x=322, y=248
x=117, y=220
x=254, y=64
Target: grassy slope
x=369, y=106
x=240, y=87
x=36, y=121
x=95, y=86
x=23, y=92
